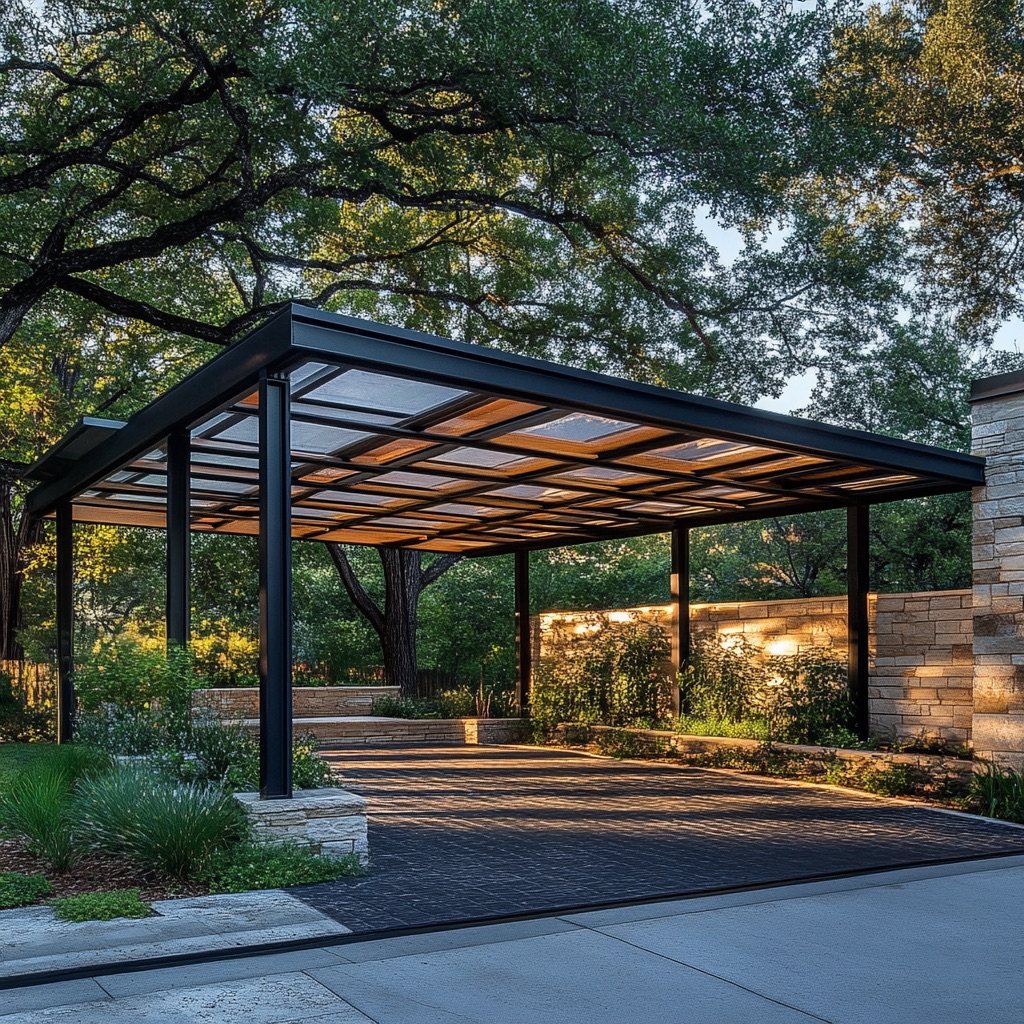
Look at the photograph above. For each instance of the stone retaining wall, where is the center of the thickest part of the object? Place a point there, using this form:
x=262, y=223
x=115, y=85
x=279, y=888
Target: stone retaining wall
x=360, y=731
x=307, y=701
x=921, y=657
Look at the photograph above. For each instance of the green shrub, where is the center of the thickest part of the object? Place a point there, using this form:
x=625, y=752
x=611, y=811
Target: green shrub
x=721, y=679
x=101, y=906
x=18, y=890
x=387, y=706
x=133, y=699
x=812, y=699
x=611, y=676
x=259, y=866
x=999, y=792
x=169, y=825
x=309, y=769
x=20, y=723
x=745, y=729
x=897, y=780
x=621, y=743
x=36, y=808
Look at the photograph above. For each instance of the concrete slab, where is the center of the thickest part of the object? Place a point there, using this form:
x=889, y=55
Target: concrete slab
x=941, y=949
x=275, y=1000
x=34, y=940
x=549, y=979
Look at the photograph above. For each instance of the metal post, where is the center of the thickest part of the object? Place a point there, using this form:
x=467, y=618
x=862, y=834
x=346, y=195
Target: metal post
x=179, y=539
x=524, y=650
x=65, y=623
x=680, y=607
x=275, y=590
x=857, y=573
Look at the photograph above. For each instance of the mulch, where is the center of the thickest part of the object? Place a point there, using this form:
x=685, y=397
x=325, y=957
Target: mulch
x=98, y=873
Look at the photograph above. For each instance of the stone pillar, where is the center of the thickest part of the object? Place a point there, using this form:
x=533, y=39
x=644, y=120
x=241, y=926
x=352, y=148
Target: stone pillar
x=997, y=417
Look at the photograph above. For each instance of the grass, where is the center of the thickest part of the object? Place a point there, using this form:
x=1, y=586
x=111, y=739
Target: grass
x=18, y=890
x=101, y=906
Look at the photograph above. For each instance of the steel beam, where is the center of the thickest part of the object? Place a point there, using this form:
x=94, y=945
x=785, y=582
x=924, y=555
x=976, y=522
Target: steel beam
x=524, y=648
x=65, y=623
x=858, y=626
x=179, y=539
x=275, y=667
x=680, y=607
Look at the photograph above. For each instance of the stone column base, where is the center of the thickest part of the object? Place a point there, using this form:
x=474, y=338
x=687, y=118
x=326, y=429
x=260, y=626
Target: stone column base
x=331, y=822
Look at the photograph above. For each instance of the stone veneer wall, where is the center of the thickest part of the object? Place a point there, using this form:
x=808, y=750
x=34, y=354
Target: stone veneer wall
x=997, y=416
x=307, y=701
x=921, y=659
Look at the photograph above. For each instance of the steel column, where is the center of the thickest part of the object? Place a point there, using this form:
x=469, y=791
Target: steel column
x=858, y=626
x=524, y=648
x=179, y=539
x=275, y=546
x=65, y=623
x=680, y=606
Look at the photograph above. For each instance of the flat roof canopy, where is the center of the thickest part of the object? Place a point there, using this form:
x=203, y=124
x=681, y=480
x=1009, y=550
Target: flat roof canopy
x=404, y=439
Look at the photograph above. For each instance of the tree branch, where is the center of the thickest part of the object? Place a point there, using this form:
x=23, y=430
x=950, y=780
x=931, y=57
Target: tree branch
x=360, y=597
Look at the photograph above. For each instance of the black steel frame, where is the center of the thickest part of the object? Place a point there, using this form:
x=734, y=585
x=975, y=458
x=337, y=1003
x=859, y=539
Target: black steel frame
x=297, y=335
x=858, y=571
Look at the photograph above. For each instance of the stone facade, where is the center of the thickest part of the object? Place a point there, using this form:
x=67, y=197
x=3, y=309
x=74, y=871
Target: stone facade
x=332, y=822
x=921, y=660
x=998, y=435
x=307, y=701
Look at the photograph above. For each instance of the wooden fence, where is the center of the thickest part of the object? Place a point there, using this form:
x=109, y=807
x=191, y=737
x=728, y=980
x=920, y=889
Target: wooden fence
x=37, y=681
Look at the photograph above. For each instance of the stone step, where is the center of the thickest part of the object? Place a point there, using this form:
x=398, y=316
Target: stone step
x=359, y=730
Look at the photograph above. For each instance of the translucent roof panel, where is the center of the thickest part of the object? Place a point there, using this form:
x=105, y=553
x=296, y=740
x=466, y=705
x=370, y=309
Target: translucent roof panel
x=403, y=439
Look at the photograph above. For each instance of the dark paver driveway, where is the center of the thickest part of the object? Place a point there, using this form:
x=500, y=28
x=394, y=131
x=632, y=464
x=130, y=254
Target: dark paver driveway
x=458, y=833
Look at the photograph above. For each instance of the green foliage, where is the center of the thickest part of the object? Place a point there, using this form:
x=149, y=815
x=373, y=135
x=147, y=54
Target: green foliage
x=169, y=825
x=20, y=723
x=249, y=866
x=18, y=890
x=134, y=698
x=460, y=702
x=744, y=729
x=799, y=698
x=999, y=792
x=897, y=780
x=612, y=675
x=36, y=808
x=101, y=906
x=621, y=743
x=309, y=769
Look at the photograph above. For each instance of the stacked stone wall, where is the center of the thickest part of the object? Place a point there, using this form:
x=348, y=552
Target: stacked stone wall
x=921, y=665
x=307, y=701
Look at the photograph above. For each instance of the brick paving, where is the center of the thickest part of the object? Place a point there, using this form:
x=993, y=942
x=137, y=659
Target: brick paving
x=459, y=833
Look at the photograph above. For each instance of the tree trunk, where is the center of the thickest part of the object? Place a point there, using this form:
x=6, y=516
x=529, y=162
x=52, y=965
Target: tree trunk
x=17, y=532
x=405, y=579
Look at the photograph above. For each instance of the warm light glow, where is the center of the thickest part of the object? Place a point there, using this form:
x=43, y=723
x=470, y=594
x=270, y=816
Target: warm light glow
x=620, y=616
x=782, y=647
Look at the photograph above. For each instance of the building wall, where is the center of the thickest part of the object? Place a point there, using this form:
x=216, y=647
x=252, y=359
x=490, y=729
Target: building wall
x=921, y=657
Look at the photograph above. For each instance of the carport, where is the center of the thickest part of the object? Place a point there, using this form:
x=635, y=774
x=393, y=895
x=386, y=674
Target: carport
x=329, y=428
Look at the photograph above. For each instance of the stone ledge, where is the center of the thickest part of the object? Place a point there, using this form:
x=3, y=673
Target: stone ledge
x=331, y=822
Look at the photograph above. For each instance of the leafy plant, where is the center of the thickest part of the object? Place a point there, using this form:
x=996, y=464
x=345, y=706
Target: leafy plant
x=612, y=675
x=101, y=906
x=621, y=743
x=36, y=808
x=19, y=722
x=999, y=792
x=169, y=825
x=18, y=890
x=897, y=780
x=747, y=728
x=262, y=866
x=309, y=769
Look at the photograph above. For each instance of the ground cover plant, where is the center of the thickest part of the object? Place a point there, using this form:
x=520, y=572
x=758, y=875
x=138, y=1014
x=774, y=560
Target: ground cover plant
x=101, y=906
x=458, y=702
x=261, y=866
x=19, y=890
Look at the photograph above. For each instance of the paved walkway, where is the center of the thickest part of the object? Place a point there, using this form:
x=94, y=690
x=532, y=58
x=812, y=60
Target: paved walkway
x=926, y=946
x=467, y=833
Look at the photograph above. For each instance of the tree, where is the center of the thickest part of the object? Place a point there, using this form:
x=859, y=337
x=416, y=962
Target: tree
x=927, y=96
x=532, y=173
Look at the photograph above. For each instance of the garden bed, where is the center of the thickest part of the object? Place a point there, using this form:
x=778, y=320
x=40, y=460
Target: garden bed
x=934, y=778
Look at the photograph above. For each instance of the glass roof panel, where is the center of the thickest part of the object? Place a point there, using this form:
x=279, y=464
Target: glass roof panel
x=377, y=391
x=578, y=426
x=478, y=457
